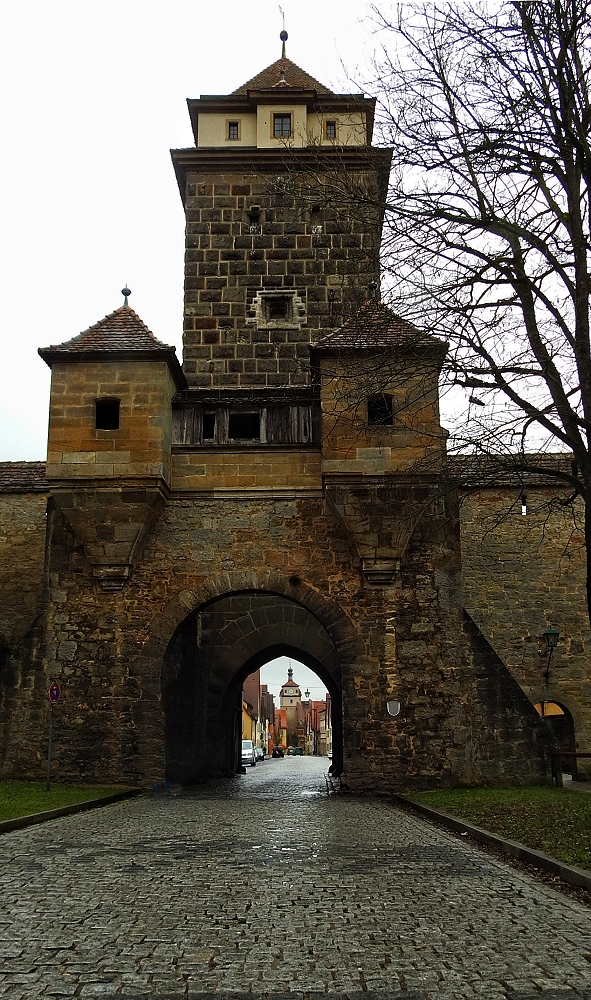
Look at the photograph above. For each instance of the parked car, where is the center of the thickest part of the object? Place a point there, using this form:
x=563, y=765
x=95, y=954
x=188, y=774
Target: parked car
x=260, y=753
x=249, y=758
x=298, y=752
x=329, y=755
x=277, y=752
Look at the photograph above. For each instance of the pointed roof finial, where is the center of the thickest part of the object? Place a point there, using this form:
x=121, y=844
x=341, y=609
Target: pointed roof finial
x=283, y=35
x=125, y=293
x=289, y=672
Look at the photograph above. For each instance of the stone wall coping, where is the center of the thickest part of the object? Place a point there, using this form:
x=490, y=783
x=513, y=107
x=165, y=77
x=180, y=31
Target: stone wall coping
x=248, y=493
x=568, y=873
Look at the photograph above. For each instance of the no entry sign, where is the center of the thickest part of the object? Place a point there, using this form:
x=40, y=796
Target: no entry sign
x=54, y=693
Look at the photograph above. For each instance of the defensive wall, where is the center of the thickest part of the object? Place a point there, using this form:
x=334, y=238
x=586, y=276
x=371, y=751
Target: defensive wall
x=116, y=655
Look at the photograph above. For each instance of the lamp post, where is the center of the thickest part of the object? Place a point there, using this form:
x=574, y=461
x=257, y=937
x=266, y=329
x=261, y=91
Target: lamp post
x=551, y=639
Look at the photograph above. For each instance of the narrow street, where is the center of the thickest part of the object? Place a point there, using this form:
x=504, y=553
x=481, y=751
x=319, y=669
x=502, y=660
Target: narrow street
x=267, y=885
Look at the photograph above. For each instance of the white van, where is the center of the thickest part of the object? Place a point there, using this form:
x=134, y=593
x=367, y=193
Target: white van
x=248, y=753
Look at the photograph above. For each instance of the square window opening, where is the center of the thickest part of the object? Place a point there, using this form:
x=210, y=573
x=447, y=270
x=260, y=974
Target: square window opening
x=278, y=308
x=107, y=415
x=233, y=130
x=282, y=126
x=380, y=410
x=244, y=426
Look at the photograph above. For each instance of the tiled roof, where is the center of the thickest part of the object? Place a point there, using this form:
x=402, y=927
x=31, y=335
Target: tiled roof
x=374, y=325
x=122, y=333
x=23, y=477
x=517, y=469
x=122, y=330
x=270, y=77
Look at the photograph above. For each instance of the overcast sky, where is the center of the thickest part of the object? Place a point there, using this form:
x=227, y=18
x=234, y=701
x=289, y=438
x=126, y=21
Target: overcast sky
x=93, y=99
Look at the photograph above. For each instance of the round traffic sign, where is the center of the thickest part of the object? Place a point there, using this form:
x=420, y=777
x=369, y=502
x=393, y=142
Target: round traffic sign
x=54, y=693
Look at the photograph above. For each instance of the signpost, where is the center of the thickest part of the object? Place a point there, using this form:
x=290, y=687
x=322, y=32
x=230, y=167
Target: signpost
x=54, y=697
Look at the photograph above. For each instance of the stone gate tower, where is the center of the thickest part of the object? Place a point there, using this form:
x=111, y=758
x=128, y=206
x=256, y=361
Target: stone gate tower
x=279, y=250
x=290, y=697
x=285, y=493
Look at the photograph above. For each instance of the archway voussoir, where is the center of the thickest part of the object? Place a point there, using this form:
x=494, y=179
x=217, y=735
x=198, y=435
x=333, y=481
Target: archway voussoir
x=188, y=599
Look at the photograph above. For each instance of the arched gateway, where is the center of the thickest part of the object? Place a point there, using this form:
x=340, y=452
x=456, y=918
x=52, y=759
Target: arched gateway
x=286, y=490
x=210, y=656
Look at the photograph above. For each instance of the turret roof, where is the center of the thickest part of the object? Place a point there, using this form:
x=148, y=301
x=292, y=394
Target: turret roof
x=121, y=333
x=293, y=77
x=122, y=330
x=374, y=325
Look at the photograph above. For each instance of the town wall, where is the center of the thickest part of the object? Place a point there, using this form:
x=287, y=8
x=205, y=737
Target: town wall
x=522, y=573
x=22, y=554
x=107, y=650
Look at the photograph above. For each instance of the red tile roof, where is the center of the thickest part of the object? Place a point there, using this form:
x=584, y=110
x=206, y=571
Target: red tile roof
x=23, y=477
x=122, y=333
x=295, y=77
x=122, y=330
x=374, y=325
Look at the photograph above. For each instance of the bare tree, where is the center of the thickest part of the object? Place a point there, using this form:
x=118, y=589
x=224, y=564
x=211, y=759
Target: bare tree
x=487, y=222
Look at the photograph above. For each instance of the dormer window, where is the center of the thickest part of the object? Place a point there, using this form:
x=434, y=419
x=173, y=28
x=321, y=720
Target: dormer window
x=106, y=413
x=234, y=130
x=330, y=130
x=282, y=126
x=380, y=410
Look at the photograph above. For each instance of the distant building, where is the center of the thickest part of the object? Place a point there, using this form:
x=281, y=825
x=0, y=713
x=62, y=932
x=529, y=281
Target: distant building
x=290, y=699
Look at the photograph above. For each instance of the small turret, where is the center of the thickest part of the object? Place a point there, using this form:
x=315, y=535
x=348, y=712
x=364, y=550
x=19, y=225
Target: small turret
x=109, y=445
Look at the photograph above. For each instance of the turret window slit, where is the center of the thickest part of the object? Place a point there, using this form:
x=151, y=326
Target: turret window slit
x=107, y=415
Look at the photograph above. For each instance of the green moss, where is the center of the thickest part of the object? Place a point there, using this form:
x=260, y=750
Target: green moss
x=556, y=821
x=22, y=798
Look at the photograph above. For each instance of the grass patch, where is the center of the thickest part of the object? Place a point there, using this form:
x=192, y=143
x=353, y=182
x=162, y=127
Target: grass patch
x=556, y=821
x=22, y=798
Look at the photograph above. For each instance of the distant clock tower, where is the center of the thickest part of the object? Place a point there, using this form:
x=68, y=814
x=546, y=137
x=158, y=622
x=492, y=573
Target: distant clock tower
x=290, y=698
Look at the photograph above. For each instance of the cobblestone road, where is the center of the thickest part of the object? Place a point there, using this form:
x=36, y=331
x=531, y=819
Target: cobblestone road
x=265, y=886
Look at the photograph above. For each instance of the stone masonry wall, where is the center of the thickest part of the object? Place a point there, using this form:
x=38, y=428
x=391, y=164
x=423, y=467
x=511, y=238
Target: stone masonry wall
x=22, y=554
x=107, y=649
x=521, y=574
x=322, y=260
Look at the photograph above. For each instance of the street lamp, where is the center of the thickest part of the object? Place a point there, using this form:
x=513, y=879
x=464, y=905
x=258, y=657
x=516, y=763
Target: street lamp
x=551, y=639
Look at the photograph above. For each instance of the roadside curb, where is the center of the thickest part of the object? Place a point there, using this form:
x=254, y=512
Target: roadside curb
x=568, y=873
x=20, y=822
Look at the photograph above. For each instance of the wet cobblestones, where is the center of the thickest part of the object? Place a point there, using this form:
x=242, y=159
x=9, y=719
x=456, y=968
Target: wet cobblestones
x=265, y=887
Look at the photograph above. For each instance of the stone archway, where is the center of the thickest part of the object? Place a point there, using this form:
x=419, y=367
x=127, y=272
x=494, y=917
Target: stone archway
x=211, y=653
x=562, y=726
